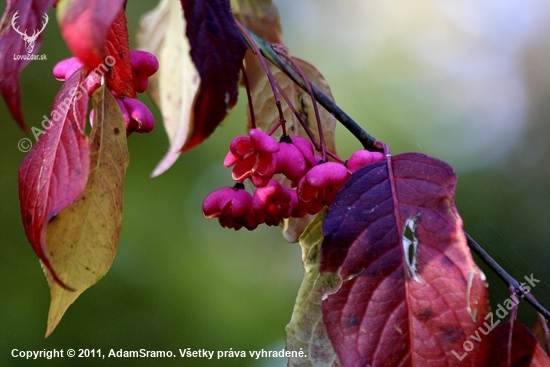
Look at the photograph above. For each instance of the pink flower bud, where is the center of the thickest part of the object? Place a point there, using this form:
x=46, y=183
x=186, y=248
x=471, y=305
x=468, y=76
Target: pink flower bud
x=144, y=65
x=65, y=68
x=143, y=62
x=321, y=184
x=240, y=147
x=294, y=158
x=253, y=157
x=124, y=110
x=262, y=142
x=298, y=208
x=137, y=116
x=231, y=205
x=271, y=203
x=305, y=146
x=363, y=157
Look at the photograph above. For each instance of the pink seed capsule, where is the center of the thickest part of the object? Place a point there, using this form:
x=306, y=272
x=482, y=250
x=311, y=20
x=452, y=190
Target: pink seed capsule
x=271, y=203
x=65, y=68
x=138, y=117
x=321, y=184
x=144, y=62
x=231, y=205
x=144, y=65
x=252, y=157
x=363, y=157
x=295, y=157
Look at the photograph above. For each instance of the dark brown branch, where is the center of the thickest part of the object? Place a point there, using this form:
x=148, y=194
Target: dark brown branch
x=370, y=143
x=268, y=51
x=512, y=283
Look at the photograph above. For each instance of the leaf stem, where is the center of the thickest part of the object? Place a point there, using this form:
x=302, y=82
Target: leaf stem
x=268, y=51
x=251, y=43
x=250, y=105
x=512, y=283
x=297, y=115
x=281, y=51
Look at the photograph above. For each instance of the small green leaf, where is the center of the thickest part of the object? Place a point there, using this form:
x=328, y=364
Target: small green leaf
x=306, y=331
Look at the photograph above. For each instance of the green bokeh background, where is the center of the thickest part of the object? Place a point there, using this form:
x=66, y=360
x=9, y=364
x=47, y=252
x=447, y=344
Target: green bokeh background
x=180, y=281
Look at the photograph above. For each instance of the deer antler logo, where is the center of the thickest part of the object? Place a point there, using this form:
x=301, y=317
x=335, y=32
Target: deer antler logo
x=29, y=40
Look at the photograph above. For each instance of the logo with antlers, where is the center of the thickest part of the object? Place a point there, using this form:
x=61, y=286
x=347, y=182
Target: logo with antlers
x=29, y=40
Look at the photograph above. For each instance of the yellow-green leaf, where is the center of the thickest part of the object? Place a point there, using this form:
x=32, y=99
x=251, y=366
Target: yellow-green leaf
x=82, y=239
x=173, y=88
x=306, y=331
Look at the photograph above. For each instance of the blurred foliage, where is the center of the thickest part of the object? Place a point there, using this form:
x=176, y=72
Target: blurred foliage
x=180, y=281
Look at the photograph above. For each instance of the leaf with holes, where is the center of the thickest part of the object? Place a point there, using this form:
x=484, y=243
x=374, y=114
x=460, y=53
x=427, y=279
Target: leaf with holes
x=82, y=239
x=306, y=331
x=174, y=87
x=513, y=345
x=21, y=31
x=411, y=293
x=217, y=50
x=54, y=173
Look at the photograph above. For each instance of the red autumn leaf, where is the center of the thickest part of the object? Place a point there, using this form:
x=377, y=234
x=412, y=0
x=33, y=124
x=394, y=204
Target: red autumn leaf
x=85, y=25
x=521, y=348
x=119, y=77
x=217, y=50
x=411, y=294
x=21, y=30
x=97, y=33
x=55, y=171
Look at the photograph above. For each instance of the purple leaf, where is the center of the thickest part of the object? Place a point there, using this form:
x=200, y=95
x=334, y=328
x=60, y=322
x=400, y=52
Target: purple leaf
x=217, y=50
x=411, y=293
x=513, y=345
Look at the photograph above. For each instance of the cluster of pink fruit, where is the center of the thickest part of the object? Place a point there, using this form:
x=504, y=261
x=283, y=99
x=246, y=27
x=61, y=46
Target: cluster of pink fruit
x=258, y=157
x=136, y=115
